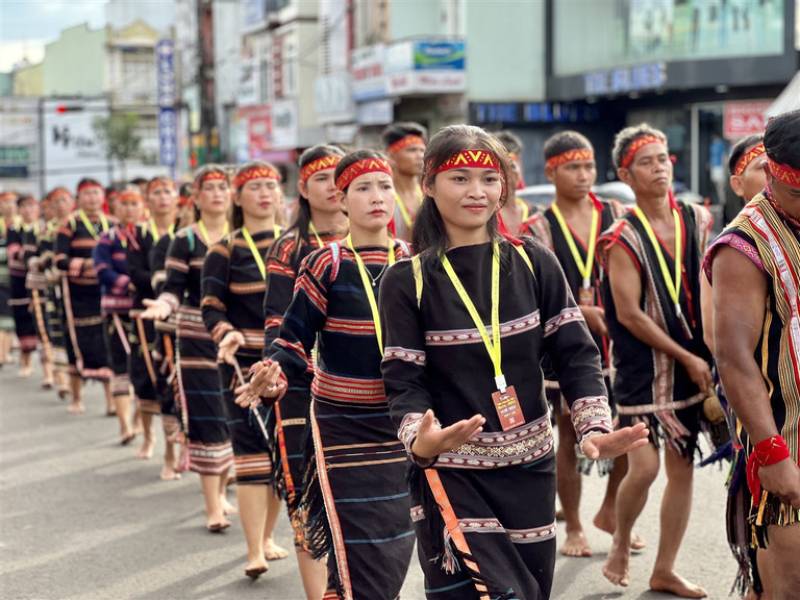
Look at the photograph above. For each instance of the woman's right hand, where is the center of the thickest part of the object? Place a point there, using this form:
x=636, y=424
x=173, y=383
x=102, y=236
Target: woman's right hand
x=432, y=440
x=264, y=379
x=156, y=309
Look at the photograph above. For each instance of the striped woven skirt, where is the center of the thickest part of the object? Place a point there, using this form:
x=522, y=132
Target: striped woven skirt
x=505, y=542
x=24, y=323
x=357, y=501
x=87, y=350
x=210, y=451
x=54, y=308
x=118, y=334
x=291, y=443
x=140, y=363
x=252, y=456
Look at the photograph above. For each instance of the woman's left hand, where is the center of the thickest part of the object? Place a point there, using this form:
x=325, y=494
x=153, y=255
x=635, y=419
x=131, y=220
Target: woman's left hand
x=616, y=443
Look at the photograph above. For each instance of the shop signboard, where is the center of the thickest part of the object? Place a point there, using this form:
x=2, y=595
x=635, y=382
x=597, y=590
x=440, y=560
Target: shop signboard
x=167, y=119
x=426, y=67
x=740, y=119
x=366, y=69
x=284, y=124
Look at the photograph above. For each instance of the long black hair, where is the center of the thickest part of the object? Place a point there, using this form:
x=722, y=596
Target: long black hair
x=782, y=139
x=302, y=220
x=237, y=217
x=429, y=233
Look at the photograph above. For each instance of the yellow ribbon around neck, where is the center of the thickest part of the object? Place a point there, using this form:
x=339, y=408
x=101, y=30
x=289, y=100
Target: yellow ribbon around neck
x=523, y=206
x=673, y=285
x=201, y=227
x=90, y=226
x=366, y=282
x=276, y=231
x=492, y=344
x=401, y=205
x=313, y=230
x=585, y=269
x=154, y=230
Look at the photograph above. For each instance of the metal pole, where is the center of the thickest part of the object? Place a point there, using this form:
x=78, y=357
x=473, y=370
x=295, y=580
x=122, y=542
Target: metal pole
x=42, y=142
x=695, y=146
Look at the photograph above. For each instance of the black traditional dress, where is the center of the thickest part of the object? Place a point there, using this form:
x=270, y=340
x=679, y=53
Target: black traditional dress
x=20, y=301
x=110, y=257
x=53, y=303
x=355, y=496
x=210, y=451
x=6, y=314
x=233, y=292
x=490, y=531
x=290, y=415
x=173, y=417
x=143, y=370
x=87, y=351
x=649, y=385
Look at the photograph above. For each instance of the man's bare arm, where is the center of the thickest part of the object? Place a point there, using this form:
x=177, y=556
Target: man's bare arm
x=739, y=297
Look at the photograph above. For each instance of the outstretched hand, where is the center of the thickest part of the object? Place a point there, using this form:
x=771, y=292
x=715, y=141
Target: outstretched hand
x=432, y=439
x=232, y=341
x=616, y=443
x=156, y=309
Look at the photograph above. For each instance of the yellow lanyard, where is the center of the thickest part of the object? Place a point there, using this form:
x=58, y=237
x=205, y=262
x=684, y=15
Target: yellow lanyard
x=673, y=285
x=585, y=269
x=366, y=282
x=154, y=230
x=90, y=226
x=276, y=231
x=493, y=344
x=201, y=227
x=316, y=235
x=404, y=211
x=523, y=206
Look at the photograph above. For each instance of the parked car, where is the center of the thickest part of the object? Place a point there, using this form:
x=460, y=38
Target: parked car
x=539, y=197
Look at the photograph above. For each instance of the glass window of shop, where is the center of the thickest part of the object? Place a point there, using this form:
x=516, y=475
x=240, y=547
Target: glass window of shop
x=602, y=34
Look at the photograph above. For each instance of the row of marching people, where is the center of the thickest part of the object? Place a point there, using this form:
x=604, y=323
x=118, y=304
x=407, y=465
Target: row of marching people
x=386, y=365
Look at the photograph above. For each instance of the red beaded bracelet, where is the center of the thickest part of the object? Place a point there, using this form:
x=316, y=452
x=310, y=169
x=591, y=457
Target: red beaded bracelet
x=765, y=453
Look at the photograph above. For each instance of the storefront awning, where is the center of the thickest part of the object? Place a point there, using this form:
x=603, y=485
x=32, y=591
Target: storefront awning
x=789, y=99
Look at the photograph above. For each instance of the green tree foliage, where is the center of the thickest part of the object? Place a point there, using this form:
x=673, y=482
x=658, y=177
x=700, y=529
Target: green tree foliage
x=118, y=132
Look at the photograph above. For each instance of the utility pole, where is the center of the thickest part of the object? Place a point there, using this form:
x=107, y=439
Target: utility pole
x=205, y=74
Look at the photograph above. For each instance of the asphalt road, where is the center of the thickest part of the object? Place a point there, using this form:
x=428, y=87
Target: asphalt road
x=81, y=518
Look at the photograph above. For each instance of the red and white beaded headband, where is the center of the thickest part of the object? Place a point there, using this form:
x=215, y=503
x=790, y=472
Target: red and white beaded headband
x=568, y=156
x=257, y=172
x=362, y=167
x=637, y=145
x=748, y=157
x=403, y=142
x=320, y=164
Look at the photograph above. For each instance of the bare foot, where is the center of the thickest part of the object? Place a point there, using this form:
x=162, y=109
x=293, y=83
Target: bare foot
x=227, y=507
x=672, y=583
x=146, y=451
x=274, y=552
x=576, y=545
x=606, y=522
x=217, y=524
x=76, y=408
x=168, y=473
x=616, y=567
x=25, y=372
x=256, y=568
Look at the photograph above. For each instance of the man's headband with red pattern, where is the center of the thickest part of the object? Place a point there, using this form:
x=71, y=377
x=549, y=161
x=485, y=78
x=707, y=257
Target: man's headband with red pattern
x=256, y=172
x=574, y=155
x=748, y=157
x=784, y=173
x=636, y=145
x=319, y=164
x=158, y=180
x=469, y=159
x=87, y=185
x=362, y=167
x=408, y=140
